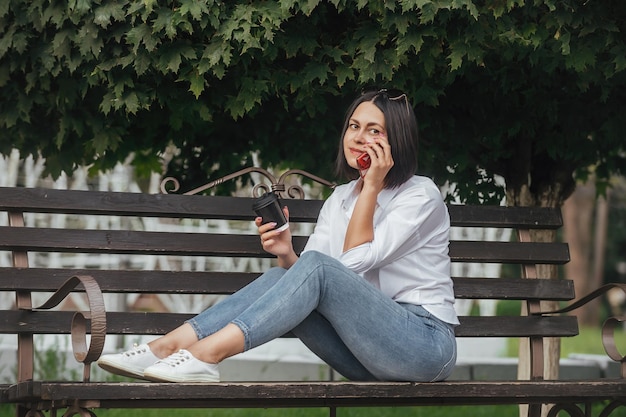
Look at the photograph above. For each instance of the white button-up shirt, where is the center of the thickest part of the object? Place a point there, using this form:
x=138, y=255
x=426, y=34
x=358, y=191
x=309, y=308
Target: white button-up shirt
x=408, y=259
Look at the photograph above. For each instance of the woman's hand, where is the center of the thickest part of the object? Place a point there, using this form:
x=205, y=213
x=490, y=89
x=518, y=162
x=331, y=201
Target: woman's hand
x=277, y=242
x=379, y=152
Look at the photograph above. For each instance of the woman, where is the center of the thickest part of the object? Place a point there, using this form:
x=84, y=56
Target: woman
x=370, y=294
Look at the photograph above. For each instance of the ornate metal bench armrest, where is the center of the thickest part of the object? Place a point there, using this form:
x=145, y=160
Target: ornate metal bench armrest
x=608, y=328
x=171, y=184
x=83, y=352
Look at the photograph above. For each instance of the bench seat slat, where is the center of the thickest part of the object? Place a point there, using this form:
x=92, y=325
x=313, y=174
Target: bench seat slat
x=144, y=323
x=211, y=244
x=320, y=394
x=218, y=282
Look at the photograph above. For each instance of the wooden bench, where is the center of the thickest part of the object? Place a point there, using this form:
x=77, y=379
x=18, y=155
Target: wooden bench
x=25, y=320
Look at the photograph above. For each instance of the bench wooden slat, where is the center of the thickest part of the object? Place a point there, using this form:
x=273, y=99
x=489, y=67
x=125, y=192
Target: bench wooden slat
x=40, y=200
x=144, y=323
x=498, y=216
x=217, y=282
x=509, y=252
x=513, y=289
x=129, y=242
x=319, y=394
x=128, y=281
x=210, y=244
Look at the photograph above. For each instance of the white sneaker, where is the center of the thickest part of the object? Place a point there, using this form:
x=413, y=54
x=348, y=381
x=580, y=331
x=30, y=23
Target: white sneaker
x=182, y=367
x=130, y=363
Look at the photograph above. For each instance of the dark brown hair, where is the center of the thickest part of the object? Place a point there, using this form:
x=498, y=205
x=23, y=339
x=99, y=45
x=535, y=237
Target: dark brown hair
x=402, y=135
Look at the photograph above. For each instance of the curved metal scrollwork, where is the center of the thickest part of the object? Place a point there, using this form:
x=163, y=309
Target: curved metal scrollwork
x=83, y=351
x=608, y=341
x=77, y=410
x=613, y=405
x=575, y=411
x=171, y=184
x=608, y=328
x=572, y=409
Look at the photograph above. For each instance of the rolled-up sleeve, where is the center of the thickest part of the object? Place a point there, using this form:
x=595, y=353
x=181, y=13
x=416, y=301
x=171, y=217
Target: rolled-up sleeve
x=400, y=228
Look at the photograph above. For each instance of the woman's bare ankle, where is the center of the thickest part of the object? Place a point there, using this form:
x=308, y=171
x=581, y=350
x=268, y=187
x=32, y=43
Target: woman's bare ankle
x=162, y=350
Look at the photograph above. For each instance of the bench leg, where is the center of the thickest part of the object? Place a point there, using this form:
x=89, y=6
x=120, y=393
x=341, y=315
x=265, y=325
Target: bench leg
x=534, y=410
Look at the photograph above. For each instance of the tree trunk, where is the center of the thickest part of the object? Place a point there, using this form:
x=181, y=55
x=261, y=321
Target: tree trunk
x=585, y=222
x=551, y=197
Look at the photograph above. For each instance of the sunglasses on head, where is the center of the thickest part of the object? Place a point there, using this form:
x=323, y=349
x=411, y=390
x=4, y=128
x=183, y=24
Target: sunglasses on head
x=389, y=94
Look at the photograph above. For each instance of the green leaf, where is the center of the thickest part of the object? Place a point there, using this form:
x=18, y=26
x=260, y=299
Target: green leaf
x=90, y=41
x=4, y=8
x=131, y=102
x=249, y=95
x=142, y=35
x=20, y=42
x=582, y=59
x=309, y=6
x=564, y=39
x=105, y=140
x=456, y=57
x=216, y=52
x=620, y=63
x=149, y=4
x=166, y=22
x=110, y=11
x=4, y=74
x=427, y=95
x=205, y=113
x=343, y=74
x=142, y=62
x=170, y=60
x=197, y=83
x=194, y=8
x=7, y=40
x=428, y=12
x=299, y=43
x=315, y=71
x=61, y=45
x=367, y=48
x=79, y=6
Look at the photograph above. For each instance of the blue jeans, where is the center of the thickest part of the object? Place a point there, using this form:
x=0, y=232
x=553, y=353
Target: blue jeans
x=347, y=322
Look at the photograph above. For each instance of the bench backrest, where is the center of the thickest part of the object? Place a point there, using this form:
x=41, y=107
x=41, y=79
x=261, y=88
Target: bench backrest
x=179, y=250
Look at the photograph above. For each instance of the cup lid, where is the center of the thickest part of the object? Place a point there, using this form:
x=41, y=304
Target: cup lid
x=264, y=200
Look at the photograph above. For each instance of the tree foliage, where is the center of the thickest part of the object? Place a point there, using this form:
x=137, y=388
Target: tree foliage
x=530, y=90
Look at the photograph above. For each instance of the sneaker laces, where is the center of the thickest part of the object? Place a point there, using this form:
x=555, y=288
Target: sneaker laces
x=177, y=358
x=135, y=350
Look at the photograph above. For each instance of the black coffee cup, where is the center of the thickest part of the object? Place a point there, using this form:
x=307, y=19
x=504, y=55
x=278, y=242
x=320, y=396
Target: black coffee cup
x=268, y=208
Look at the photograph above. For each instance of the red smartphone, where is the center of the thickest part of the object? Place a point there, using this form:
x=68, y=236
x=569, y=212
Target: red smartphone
x=364, y=161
